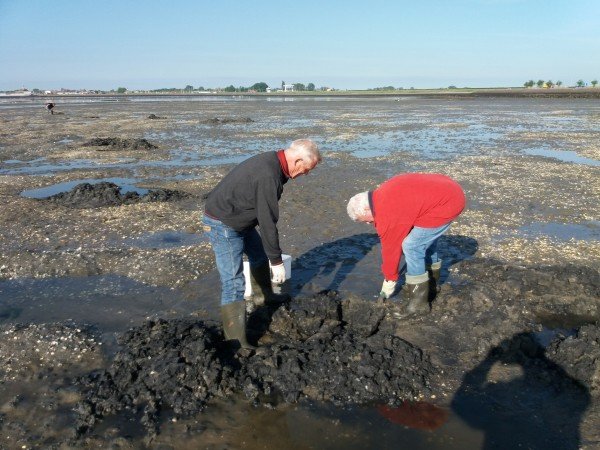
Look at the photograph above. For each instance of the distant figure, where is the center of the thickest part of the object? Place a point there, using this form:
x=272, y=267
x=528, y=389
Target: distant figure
x=50, y=107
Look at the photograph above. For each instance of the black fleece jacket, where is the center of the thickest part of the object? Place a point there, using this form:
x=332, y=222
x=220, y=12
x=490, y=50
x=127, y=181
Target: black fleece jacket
x=249, y=196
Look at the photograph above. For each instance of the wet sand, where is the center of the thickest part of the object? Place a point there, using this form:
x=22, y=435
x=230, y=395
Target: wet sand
x=106, y=269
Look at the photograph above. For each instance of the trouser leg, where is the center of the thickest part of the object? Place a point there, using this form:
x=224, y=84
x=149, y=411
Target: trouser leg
x=228, y=246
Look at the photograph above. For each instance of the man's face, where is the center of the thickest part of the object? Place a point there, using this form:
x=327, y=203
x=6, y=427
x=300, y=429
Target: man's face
x=301, y=167
x=366, y=217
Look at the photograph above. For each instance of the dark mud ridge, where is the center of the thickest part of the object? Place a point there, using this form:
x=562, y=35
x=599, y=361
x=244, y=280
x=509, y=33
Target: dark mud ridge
x=86, y=195
x=155, y=117
x=226, y=120
x=580, y=356
x=323, y=348
x=120, y=144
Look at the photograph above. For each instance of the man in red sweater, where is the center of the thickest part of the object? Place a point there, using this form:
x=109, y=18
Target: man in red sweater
x=410, y=212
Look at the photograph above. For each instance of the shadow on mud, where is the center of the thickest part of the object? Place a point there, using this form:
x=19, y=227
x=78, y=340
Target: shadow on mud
x=335, y=261
x=517, y=396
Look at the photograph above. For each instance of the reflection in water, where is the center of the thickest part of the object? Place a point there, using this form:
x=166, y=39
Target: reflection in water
x=417, y=415
x=537, y=407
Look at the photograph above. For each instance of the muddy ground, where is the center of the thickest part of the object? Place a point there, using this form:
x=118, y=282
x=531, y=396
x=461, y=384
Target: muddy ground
x=512, y=342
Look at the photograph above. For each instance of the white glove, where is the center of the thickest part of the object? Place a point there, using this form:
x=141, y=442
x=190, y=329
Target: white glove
x=387, y=289
x=278, y=273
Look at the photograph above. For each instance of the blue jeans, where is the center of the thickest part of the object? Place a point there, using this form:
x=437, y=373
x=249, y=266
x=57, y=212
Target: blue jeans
x=229, y=246
x=420, y=248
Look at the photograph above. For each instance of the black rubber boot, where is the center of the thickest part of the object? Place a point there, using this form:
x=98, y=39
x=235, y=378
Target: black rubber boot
x=417, y=297
x=262, y=289
x=233, y=316
x=435, y=271
x=434, y=280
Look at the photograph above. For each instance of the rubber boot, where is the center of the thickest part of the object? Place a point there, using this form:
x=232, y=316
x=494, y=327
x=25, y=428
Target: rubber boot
x=435, y=271
x=434, y=279
x=233, y=316
x=262, y=289
x=416, y=294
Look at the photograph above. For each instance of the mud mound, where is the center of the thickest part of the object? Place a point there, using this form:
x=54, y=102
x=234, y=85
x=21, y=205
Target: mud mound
x=226, y=120
x=580, y=356
x=326, y=349
x=86, y=195
x=120, y=144
x=318, y=353
x=174, y=364
x=154, y=117
x=486, y=301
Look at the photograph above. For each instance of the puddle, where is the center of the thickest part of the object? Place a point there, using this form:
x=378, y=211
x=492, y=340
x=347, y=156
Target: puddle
x=113, y=303
x=428, y=141
x=547, y=335
x=563, y=322
x=586, y=231
x=126, y=185
x=165, y=239
x=178, y=159
x=562, y=155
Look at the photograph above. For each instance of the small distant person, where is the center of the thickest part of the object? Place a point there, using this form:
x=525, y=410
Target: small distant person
x=248, y=196
x=50, y=107
x=410, y=212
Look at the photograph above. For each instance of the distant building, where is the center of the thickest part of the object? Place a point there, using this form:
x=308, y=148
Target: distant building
x=288, y=87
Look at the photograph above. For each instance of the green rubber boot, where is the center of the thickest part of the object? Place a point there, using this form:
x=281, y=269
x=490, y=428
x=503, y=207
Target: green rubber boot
x=262, y=289
x=416, y=294
x=233, y=316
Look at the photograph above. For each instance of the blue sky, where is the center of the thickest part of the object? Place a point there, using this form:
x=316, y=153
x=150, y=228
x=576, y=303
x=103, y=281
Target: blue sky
x=343, y=44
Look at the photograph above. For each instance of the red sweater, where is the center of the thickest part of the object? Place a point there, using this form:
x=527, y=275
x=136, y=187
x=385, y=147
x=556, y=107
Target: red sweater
x=414, y=199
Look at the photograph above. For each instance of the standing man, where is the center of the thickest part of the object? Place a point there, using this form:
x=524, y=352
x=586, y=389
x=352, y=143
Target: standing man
x=410, y=212
x=248, y=196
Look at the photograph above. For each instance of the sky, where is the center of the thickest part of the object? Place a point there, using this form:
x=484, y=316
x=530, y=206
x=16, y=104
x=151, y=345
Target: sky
x=91, y=44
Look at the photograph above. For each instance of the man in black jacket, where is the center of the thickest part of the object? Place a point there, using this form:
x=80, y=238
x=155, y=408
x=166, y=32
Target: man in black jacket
x=248, y=196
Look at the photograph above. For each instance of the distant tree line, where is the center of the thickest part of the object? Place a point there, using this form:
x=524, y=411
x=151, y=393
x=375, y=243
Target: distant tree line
x=262, y=87
x=386, y=88
x=550, y=83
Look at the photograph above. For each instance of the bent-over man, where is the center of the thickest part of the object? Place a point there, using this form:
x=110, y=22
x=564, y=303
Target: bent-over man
x=410, y=212
x=248, y=196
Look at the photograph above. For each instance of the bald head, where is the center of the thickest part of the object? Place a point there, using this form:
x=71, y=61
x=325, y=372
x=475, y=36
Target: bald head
x=302, y=156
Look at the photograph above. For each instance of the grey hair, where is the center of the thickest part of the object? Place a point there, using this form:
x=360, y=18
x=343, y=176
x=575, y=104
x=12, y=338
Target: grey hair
x=358, y=205
x=306, y=149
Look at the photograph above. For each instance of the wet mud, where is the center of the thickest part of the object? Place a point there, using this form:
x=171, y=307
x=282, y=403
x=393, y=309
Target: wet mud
x=226, y=120
x=579, y=355
x=321, y=348
x=347, y=351
x=86, y=195
x=109, y=144
x=511, y=342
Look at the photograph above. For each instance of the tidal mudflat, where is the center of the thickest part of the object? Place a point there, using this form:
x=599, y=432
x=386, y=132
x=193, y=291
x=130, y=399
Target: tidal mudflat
x=90, y=282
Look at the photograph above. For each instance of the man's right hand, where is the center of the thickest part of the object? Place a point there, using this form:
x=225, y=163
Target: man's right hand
x=278, y=273
x=387, y=289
